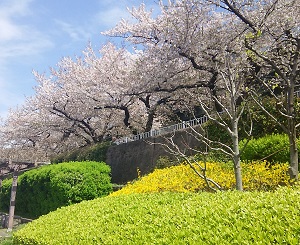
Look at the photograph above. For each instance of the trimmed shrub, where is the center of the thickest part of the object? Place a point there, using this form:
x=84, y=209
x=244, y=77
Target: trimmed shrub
x=256, y=176
x=96, y=152
x=172, y=218
x=272, y=148
x=5, y=193
x=50, y=187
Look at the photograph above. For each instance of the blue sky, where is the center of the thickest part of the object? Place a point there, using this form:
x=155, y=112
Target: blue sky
x=36, y=34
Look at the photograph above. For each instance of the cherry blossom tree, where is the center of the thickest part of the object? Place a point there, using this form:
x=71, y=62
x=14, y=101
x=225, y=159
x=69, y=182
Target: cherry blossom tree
x=210, y=62
x=158, y=87
x=88, y=94
x=20, y=134
x=82, y=102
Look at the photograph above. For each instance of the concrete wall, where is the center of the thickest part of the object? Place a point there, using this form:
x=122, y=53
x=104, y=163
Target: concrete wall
x=125, y=159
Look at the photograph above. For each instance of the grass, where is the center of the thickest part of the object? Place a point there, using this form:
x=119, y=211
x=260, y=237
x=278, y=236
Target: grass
x=9, y=239
x=229, y=217
x=6, y=241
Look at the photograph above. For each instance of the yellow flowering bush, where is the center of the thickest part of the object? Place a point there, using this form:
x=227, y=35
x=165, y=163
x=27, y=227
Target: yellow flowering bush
x=181, y=178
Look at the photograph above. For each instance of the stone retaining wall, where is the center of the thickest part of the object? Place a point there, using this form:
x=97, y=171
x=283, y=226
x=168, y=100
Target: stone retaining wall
x=125, y=159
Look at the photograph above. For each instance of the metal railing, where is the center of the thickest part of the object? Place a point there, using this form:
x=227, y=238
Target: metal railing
x=169, y=129
x=163, y=131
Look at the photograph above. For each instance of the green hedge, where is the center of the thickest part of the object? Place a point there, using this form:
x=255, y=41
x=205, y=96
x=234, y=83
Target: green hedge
x=50, y=187
x=273, y=148
x=172, y=218
x=96, y=152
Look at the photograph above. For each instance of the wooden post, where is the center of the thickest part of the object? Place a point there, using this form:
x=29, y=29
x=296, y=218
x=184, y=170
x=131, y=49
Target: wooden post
x=1, y=172
x=13, y=200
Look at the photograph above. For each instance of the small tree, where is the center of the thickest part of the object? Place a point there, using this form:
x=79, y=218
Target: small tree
x=271, y=38
x=233, y=103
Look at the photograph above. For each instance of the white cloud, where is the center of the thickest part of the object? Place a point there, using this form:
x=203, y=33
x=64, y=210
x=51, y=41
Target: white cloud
x=15, y=7
x=76, y=33
x=23, y=48
x=9, y=11
x=8, y=100
x=20, y=43
x=111, y=14
x=18, y=39
x=8, y=30
x=110, y=17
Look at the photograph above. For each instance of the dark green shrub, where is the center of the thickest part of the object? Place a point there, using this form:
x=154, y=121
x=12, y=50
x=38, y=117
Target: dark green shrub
x=212, y=156
x=165, y=162
x=96, y=152
x=47, y=188
x=5, y=195
x=263, y=124
x=273, y=148
x=217, y=133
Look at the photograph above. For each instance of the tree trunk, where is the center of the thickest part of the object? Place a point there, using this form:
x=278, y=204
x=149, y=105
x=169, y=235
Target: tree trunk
x=236, y=157
x=294, y=162
x=150, y=119
x=292, y=133
x=293, y=169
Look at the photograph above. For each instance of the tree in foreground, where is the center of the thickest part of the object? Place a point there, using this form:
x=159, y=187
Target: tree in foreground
x=272, y=42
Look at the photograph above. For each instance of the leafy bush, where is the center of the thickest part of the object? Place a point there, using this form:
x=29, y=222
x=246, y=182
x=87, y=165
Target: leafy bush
x=95, y=152
x=256, y=176
x=263, y=124
x=273, y=148
x=172, y=218
x=47, y=188
x=216, y=132
x=165, y=162
x=211, y=156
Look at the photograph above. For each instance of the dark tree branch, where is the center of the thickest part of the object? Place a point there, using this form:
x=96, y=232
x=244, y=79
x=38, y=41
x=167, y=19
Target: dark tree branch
x=234, y=10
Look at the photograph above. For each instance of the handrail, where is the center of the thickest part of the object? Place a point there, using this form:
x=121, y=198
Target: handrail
x=163, y=131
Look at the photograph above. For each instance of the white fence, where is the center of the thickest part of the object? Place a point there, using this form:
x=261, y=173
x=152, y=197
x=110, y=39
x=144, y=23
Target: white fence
x=162, y=131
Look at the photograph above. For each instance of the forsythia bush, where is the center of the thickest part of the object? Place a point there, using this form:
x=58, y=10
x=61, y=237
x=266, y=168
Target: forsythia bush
x=181, y=178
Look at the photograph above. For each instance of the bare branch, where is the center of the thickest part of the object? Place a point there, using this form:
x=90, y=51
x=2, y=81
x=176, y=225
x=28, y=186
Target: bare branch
x=268, y=113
